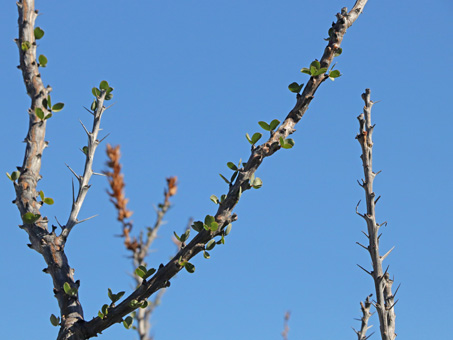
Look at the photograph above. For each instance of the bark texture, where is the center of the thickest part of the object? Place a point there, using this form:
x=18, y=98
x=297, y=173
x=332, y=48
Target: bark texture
x=382, y=282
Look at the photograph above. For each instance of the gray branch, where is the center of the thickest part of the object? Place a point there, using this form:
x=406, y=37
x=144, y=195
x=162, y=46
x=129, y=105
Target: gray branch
x=366, y=314
x=382, y=282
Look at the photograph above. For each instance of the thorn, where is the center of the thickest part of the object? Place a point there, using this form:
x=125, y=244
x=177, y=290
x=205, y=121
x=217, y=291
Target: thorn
x=366, y=271
x=393, y=305
x=360, y=183
x=103, y=138
x=357, y=210
x=386, y=269
x=46, y=270
x=77, y=176
x=99, y=174
x=377, y=173
x=366, y=248
x=396, y=291
x=387, y=254
x=89, y=110
x=108, y=107
x=86, y=219
x=58, y=222
x=29, y=245
x=383, y=224
x=364, y=233
x=377, y=199
x=87, y=132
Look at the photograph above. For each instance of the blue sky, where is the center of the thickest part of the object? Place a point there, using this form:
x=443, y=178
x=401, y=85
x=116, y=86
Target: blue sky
x=191, y=78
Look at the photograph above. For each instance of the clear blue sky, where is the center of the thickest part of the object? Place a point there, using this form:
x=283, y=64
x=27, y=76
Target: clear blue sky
x=191, y=78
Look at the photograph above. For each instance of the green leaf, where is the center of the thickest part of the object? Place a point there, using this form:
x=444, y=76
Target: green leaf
x=306, y=70
x=144, y=304
x=257, y=183
x=141, y=271
x=334, y=74
x=25, y=46
x=214, y=199
x=57, y=107
x=239, y=193
x=104, y=85
x=105, y=309
x=248, y=138
x=233, y=177
x=150, y=272
x=264, y=125
x=295, y=87
x=15, y=175
x=100, y=315
x=39, y=33
x=190, y=267
x=177, y=236
x=313, y=70
x=197, y=226
x=48, y=103
x=232, y=166
x=42, y=60
x=110, y=294
x=94, y=104
x=221, y=241
x=30, y=218
x=316, y=64
x=108, y=96
x=39, y=113
x=206, y=254
x=184, y=237
x=320, y=71
x=208, y=220
x=48, y=201
x=228, y=229
x=274, y=123
x=222, y=198
x=223, y=177
x=41, y=194
x=48, y=116
x=9, y=176
x=68, y=290
x=134, y=303
x=95, y=91
x=127, y=323
x=85, y=150
x=210, y=245
x=214, y=226
x=338, y=52
x=256, y=137
x=55, y=321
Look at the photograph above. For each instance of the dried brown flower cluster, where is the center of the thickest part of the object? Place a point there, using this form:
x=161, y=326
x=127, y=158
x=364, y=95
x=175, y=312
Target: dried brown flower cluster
x=117, y=195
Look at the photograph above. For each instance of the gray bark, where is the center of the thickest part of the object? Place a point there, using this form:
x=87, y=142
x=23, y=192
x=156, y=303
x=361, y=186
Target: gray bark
x=382, y=282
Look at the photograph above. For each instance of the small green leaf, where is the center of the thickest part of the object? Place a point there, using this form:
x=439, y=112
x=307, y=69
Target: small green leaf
x=95, y=91
x=68, y=290
x=306, y=70
x=248, y=138
x=206, y=255
x=25, y=46
x=9, y=176
x=295, y=87
x=264, y=125
x=223, y=177
x=221, y=241
x=85, y=150
x=256, y=137
x=197, y=226
x=42, y=60
x=48, y=102
x=41, y=194
x=127, y=322
x=30, y=218
x=104, y=85
x=287, y=143
x=15, y=175
x=274, y=123
x=134, y=303
x=190, y=267
x=228, y=229
x=338, y=52
x=55, y=321
x=334, y=74
x=185, y=236
x=222, y=198
x=214, y=199
x=39, y=33
x=316, y=64
x=214, y=226
x=39, y=113
x=150, y=272
x=257, y=183
x=141, y=271
x=108, y=96
x=110, y=294
x=233, y=177
x=210, y=245
x=144, y=304
x=313, y=70
x=94, y=105
x=208, y=220
x=57, y=107
x=239, y=193
x=177, y=236
x=105, y=309
x=320, y=71
x=48, y=116
x=48, y=201
x=232, y=166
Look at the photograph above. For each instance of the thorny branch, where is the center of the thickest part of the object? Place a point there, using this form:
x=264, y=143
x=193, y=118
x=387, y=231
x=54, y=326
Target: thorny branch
x=382, y=282
x=224, y=215
x=51, y=246
x=366, y=314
